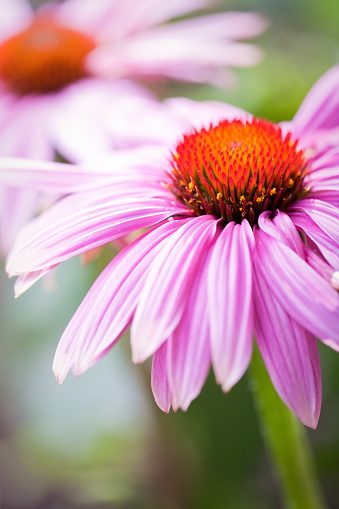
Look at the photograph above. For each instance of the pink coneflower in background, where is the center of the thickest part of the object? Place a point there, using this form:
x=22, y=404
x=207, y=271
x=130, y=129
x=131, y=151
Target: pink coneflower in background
x=243, y=240
x=52, y=95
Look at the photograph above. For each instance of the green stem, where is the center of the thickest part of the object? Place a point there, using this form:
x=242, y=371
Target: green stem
x=286, y=441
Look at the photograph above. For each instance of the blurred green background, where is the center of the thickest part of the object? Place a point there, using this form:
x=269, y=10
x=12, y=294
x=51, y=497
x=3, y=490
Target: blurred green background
x=100, y=441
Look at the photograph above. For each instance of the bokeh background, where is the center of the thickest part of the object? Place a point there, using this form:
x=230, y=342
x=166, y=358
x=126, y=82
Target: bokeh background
x=100, y=441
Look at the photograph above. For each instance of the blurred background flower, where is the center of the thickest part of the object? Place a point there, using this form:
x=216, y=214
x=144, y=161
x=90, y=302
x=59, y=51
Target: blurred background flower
x=100, y=441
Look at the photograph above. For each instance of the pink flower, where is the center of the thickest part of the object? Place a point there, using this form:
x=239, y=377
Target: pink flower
x=52, y=96
x=243, y=239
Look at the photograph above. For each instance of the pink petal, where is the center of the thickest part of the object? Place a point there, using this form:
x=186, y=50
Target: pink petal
x=163, y=299
x=109, y=306
x=84, y=221
x=281, y=227
x=82, y=112
x=25, y=281
x=298, y=288
x=113, y=19
x=47, y=176
x=325, y=215
x=160, y=385
x=154, y=54
x=290, y=354
x=188, y=348
x=220, y=77
x=198, y=114
x=230, y=303
x=86, y=15
x=320, y=108
x=223, y=25
x=325, y=172
x=20, y=137
x=327, y=247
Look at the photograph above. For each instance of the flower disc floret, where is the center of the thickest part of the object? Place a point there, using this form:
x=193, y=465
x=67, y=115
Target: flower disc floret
x=44, y=57
x=238, y=170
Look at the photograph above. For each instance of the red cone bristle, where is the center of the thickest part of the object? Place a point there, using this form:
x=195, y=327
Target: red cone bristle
x=43, y=58
x=237, y=170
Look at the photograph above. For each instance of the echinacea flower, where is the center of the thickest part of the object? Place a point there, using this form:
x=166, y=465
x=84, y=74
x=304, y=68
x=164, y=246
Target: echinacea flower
x=242, y=240
x=52, y=95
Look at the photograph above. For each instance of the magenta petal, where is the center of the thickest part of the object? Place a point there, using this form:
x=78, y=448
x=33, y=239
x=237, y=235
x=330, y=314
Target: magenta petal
x=230, y=303
x=83, y=221
x=290, y=354
x=160, y=385
x=281, y=227
x=189, y=355
x=325, y=215
x=109, y=305
x=320, y=108
x=325, y=172
x=327, y=247
x=297, y=287
x=169, y=282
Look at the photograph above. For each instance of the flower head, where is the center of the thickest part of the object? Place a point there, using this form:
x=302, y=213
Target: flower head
x=237, y=170
x=243, y=239
x=44, y=58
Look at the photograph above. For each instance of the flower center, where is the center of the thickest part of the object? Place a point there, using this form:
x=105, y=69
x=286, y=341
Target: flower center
x=237, y=170
x=43, y=58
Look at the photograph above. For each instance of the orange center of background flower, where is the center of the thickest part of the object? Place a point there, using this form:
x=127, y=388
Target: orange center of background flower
x=237, y=170
x=43, y=58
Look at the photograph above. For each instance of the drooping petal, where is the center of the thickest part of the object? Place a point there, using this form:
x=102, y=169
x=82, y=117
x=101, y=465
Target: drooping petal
x=320, y=108
x=290, y=354
x=84, y=221
x=109, y=305
x=160, y=385
x=297, y=287
x=163, y=299
x=188, y=348
x=230, y=303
